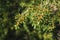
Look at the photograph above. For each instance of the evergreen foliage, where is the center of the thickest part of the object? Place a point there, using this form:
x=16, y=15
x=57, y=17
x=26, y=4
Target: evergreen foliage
x=29, y=19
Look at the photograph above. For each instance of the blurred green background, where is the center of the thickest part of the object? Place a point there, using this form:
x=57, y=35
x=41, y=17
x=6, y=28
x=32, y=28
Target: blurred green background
x=29, y=19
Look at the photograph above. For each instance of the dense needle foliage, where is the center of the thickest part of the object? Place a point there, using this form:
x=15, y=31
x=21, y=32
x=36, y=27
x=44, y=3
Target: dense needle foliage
x=29, y=19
